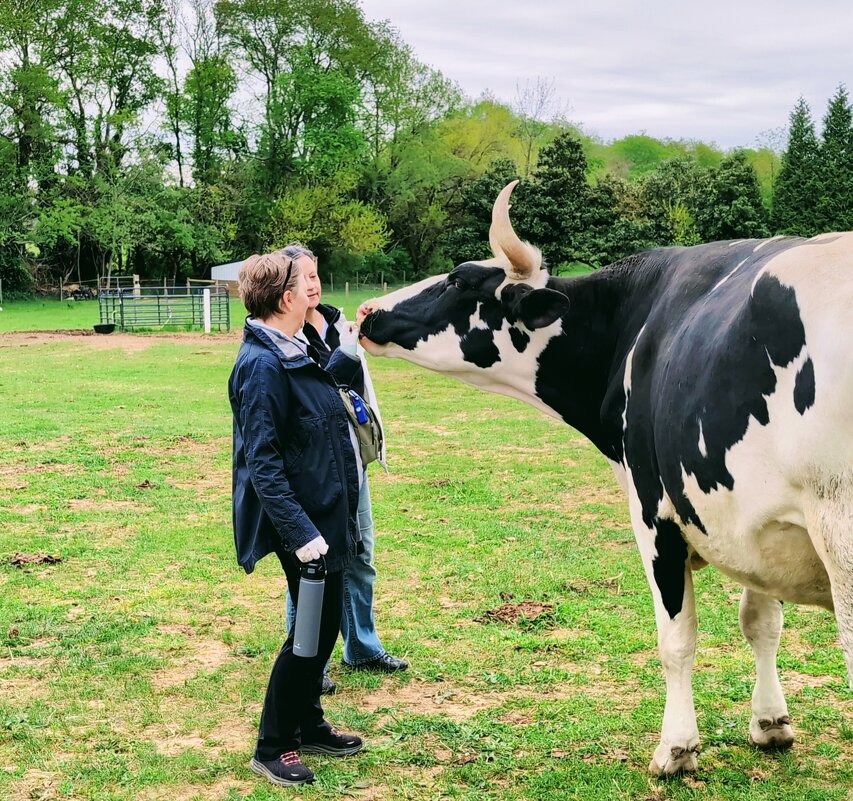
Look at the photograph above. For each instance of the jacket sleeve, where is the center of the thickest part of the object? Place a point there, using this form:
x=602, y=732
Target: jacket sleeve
x=263, y=400
x=347, y=370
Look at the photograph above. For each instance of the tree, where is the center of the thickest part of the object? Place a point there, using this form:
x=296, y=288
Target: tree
x=671, y=195
x=799, y=182
x=835, y=166
x=553, y=209
x=466, y=237
x=731, y=206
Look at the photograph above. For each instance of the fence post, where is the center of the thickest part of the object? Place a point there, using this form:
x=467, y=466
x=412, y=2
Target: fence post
x=404, y=277
x=332, y=281
x=137, y=289
x=1, y=291
x=346, y=290
x=188, y=286
x=60, y=290
x=384, y=288
x=206, y=311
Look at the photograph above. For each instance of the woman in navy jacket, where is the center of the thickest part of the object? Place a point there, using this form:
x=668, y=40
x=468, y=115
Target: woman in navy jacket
x=295, y=493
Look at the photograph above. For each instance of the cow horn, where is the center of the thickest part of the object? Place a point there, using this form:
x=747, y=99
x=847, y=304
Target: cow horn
x=523, y=258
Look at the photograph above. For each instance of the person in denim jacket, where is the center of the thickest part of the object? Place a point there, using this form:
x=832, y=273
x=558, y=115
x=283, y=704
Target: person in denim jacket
x=296, y=479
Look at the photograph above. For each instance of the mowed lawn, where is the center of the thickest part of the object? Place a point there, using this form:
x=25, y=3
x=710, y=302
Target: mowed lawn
x=134, y=653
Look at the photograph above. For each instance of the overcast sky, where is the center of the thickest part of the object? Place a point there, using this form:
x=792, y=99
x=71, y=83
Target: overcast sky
x=723, y=71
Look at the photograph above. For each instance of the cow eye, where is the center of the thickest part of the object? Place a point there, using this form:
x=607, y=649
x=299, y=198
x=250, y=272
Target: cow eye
x=455, y=280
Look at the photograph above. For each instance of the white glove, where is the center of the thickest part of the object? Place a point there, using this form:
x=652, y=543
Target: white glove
x=313, y=550
x=349, y=339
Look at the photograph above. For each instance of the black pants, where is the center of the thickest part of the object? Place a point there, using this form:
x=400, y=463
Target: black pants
x=292, y=708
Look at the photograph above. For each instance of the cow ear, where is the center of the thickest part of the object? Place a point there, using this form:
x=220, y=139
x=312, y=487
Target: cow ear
x=533, y=308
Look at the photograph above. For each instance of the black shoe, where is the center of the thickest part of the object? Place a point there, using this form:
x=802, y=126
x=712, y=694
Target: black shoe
x=383, y=664
x=286, y=770
x=331, y=741
x=329, y=686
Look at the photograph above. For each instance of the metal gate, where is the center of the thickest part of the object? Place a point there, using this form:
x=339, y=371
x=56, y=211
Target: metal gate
x=177, y=307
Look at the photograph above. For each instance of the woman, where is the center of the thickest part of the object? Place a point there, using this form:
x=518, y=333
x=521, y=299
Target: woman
x=295, y=493
x=363, y=649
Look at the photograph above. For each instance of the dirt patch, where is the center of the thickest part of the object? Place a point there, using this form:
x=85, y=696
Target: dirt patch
x=224, y=788
x=131, y=343
x=36, y=785
x=231, y=736
x=203, y=654
x=105, y=505
x=793, y=680
x=524, y=612
x=19, y=559
x=23, y=689
x=441, y=698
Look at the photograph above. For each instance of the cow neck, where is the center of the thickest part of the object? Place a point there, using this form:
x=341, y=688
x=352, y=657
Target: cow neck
x=581, y=371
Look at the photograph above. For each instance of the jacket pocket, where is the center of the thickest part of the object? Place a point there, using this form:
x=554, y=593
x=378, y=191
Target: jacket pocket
x=312, y=469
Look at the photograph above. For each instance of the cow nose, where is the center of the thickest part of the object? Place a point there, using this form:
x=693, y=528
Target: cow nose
x=362, y=312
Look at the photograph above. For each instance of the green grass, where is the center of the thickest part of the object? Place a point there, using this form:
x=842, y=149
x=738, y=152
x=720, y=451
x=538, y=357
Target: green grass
x=51, y=314
x=135, y=667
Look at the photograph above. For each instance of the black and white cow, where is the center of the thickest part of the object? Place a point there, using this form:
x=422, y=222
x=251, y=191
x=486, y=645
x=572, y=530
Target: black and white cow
x=718, y=382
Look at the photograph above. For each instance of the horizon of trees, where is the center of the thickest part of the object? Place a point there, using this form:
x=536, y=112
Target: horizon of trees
x=162, y=138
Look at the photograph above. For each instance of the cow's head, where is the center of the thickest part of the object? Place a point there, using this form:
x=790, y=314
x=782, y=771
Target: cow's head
x=485, y=322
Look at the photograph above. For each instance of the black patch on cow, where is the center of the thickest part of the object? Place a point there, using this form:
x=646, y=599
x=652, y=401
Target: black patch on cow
x=491, y=313
x=669, y=565
x=478, y=347
x=451, y=302
x=769, y=298
x=804, y=387
x=703, y=368
x=520, y=339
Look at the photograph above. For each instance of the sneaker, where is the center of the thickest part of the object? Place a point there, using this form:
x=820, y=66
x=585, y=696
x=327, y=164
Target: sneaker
x=383, y=664
x=331, y=741
x=329, y=686
x=286, y=770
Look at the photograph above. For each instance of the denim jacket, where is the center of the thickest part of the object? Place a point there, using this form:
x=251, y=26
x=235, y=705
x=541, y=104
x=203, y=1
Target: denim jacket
x=294, y=468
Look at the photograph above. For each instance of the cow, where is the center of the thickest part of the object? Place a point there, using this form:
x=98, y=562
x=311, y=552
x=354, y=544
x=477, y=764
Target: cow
x=718, y=382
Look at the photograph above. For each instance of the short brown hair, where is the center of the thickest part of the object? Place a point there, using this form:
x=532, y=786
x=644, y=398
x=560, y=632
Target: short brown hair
x=263, y=279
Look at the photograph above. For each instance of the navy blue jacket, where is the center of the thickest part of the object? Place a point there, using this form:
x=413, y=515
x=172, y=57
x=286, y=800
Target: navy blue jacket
x=294, y=472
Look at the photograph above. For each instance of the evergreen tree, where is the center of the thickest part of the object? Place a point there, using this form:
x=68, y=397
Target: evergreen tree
x=835, y=166
x=798, y=184
x=470, y=214
x=553, y=210
x=731, y=208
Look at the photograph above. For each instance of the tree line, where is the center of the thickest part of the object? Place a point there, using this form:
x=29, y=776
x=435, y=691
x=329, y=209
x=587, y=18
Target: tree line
x=162, y=137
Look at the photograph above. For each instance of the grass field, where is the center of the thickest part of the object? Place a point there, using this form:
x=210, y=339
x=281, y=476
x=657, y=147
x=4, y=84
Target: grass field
x=51, y=314
x=134, y=654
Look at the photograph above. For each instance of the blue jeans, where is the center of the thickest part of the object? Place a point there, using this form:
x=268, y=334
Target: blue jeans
x=361, y=642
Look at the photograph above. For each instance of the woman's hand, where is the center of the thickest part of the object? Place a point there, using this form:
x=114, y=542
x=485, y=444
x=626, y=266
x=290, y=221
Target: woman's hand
x=313, y=550
x=349, y=339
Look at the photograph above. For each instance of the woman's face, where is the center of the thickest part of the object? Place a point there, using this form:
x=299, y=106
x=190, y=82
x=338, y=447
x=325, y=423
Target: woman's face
x=299, y=303
x=312, y=280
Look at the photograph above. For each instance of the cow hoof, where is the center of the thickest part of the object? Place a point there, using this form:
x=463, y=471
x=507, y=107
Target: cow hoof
x=673, y=760
x=771, y=734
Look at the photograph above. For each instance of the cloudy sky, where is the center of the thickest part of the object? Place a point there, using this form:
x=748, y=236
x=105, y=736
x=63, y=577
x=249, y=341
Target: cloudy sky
x=726, y=72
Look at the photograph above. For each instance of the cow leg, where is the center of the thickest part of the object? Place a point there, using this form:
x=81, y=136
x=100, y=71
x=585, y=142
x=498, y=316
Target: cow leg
x=829, y=518
x=761, y=624
x=670, y=578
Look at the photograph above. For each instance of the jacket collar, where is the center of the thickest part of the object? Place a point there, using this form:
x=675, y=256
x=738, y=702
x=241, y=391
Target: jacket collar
x=290, y=354
x=331, y=314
